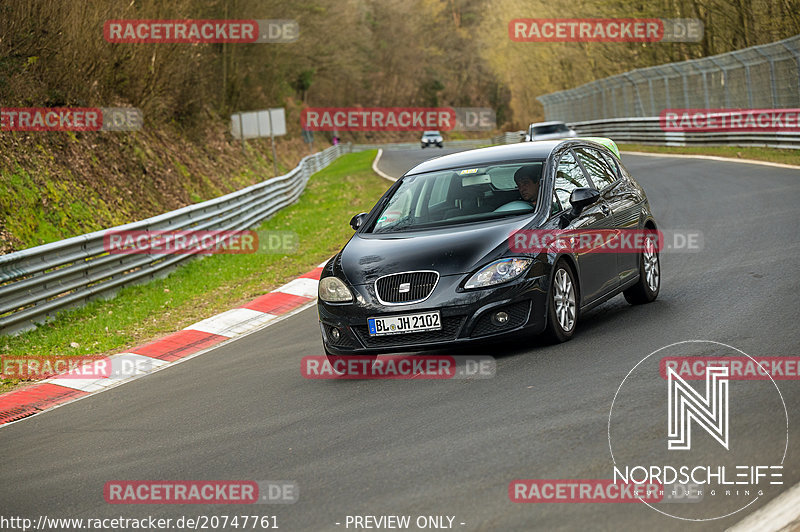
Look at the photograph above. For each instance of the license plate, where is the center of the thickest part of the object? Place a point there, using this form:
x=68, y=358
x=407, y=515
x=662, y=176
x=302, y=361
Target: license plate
x=426, y=321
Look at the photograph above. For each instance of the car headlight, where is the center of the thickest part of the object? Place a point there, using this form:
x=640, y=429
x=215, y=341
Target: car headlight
x=333, y=290
x=498, y=272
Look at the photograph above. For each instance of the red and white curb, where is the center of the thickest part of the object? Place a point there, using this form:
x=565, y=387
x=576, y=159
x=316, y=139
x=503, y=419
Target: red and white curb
x=176, y=347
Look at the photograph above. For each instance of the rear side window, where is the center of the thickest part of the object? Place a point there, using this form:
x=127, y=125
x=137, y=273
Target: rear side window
x=569, y=176
x=611, y=162
x=600, y=171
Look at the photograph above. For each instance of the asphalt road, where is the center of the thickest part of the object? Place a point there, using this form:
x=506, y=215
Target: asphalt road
x=396, y=163
x=414, y=447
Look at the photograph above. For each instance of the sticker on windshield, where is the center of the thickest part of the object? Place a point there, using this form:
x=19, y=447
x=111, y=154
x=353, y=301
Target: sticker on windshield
x=470, y=171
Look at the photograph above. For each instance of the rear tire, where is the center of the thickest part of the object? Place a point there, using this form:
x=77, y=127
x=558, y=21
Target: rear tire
x=647, y=287
x=562, y=304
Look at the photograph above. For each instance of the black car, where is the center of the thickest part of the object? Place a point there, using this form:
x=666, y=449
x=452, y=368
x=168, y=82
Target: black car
x=431, y=138
x=432, y=265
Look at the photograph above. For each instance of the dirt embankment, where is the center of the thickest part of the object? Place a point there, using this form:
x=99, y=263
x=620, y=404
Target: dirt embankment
x=54, y=185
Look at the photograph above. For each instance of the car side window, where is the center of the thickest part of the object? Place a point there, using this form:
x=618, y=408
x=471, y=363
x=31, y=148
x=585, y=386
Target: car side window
x=612, y=163
x=569, y=176
x=599, y=170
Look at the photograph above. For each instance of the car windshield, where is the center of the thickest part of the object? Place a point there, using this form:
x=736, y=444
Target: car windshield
x=550, y=128
x=459, y=196
x=431, y=134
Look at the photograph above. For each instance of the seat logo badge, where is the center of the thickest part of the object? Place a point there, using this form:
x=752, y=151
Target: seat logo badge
x=404, y=288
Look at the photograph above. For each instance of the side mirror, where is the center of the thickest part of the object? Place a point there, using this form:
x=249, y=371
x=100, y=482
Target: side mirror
x=582, y=198
x=357, y=220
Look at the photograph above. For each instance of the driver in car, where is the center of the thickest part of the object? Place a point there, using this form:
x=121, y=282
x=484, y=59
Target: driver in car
x=527, y=180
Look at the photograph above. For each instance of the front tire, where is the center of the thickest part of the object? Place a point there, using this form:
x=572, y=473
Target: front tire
x=647, y=287
x=562, y=304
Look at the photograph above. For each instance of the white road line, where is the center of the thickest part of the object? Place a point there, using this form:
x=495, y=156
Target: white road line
x=712, y=158
x=782, y=513
x=377, y=170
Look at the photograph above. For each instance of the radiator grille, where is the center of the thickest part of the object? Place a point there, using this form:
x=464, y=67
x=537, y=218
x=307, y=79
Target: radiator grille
x=407, y=287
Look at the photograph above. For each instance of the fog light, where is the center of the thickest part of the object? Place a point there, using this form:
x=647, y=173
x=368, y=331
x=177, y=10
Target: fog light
x=335, y=334
x=500, y=318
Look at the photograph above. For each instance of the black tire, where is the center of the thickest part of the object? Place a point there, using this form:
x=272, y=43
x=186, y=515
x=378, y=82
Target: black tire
x=423, y=146
x=560, y=327
x=649, y=284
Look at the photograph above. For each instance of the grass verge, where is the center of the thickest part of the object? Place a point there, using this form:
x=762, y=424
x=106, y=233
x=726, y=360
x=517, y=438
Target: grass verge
x=773, y=155
x=207, y=286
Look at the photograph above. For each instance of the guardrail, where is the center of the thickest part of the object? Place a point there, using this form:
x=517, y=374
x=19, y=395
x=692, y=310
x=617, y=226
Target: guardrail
x=36, y=283
x=647, y=130
x=509, y=137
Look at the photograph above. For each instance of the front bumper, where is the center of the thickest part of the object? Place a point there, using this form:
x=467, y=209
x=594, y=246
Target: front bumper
x=465, y=317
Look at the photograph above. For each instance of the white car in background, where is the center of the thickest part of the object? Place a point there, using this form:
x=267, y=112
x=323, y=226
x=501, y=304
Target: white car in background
x=549, y=131
x=431, y=138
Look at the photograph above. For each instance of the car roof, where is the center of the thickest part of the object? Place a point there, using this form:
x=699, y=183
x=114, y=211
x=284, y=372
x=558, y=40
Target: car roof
x=496, y=154
x=605, y=142
x=551, y=123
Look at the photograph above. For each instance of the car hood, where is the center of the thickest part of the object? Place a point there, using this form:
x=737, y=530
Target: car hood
x=453, y=250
